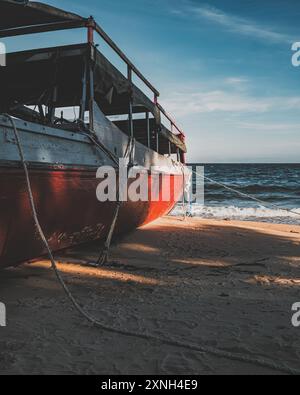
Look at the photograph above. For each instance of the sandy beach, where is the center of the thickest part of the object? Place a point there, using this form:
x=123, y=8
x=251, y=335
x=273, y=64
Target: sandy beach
x=223, y=284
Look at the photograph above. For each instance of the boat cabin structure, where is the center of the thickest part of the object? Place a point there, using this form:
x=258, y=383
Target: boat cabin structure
x=76, y=113
x=44, y=85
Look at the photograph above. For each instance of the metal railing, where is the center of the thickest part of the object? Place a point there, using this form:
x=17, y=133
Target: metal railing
x=92, y=26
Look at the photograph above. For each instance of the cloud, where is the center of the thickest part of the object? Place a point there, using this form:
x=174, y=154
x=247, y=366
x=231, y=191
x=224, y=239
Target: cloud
x=238, y=24
x=187, y=103
x=269, y=126
x=235, y=81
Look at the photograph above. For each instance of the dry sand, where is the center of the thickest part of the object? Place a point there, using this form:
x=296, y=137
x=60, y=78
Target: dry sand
x=222, y=284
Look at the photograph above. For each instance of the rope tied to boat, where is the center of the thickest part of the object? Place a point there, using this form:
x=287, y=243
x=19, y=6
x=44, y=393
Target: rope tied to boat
x=129, y=154
x=104, y=256
x=130, y=333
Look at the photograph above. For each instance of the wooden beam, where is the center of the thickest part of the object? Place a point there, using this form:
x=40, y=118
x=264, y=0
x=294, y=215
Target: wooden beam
x=48, y=27
x=50, y=10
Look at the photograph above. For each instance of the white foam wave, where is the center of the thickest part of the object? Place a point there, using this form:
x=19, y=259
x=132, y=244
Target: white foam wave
x=243, y=213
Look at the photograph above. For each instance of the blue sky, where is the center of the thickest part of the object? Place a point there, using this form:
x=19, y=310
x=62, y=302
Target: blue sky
x=223, y=68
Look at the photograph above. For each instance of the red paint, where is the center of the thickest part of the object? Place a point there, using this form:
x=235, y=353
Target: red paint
x=90, y=33
x=90, y=30
x=68, y=210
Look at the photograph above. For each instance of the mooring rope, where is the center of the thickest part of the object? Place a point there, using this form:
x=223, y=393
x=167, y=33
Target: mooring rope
x=184, y=211
x=129, y=333
x=101, y=146
x=246, y=195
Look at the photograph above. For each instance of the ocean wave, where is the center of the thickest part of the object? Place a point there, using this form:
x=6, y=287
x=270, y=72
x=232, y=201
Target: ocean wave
x=243, y=213
x=256, y=188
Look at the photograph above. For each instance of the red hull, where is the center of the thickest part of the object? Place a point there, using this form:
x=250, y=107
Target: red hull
x=68, y=210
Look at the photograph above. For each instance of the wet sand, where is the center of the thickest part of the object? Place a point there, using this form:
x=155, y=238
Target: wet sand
x=222, y=284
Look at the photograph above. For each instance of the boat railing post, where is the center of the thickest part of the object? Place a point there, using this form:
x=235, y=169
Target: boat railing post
x=172, y=131
x=91, y=85
x=91, y=26
x=51, y=109
x=41, y=111
x=90, y=30
x=182, y=156
x=84, y=92
x=130, y=115
x=148, y=129
x=157, y=131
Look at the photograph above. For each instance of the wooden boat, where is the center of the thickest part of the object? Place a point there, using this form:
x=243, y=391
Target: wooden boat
x=38, y=88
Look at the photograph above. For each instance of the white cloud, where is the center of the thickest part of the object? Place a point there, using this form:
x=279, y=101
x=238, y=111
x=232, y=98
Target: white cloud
x=238, y=24
x=187, y=103
x=269, y=126
x=235, y=81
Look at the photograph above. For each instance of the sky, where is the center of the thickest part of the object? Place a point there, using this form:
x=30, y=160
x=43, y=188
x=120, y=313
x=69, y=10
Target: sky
x=223, y=68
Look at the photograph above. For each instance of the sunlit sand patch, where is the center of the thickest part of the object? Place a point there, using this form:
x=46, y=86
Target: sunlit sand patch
x=139, y=247
x=273, y=280
x=71, y=268
x=293, y=261
x=201, y=262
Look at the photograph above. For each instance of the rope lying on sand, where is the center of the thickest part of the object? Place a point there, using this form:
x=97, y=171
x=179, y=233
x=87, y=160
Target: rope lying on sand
x=262, y=202
x=112, y=329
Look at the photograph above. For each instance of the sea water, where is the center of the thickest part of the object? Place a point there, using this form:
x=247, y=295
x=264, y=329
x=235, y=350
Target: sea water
x=276, y=184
